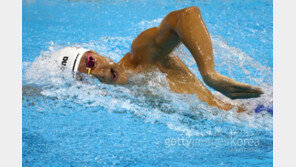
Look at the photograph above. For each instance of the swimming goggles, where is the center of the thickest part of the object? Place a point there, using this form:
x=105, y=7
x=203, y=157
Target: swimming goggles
x=90, y=62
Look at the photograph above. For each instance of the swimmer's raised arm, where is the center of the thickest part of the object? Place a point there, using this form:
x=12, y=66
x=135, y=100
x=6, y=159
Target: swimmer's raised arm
x=187, y=26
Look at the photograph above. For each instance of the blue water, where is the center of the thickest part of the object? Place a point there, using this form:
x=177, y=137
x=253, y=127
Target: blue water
x=71, y=123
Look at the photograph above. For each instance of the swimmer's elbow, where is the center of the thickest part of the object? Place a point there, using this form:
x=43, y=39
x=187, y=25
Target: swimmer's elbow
x=191, y=9
x=171, y=20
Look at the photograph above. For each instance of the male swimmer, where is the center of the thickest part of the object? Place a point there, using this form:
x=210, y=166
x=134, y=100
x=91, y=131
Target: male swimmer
x=152, y=49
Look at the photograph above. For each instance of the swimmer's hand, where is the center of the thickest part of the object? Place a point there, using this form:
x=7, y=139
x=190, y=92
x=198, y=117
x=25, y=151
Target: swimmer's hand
x=243, y=91
x=231, y=88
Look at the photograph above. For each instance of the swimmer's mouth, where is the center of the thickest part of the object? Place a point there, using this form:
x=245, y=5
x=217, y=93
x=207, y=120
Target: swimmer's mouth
x=114, y=74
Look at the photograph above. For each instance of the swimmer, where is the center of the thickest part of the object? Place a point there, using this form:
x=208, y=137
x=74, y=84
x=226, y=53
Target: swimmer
x=153, y=48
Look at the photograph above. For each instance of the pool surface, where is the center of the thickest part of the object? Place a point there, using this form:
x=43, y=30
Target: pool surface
x=71, y=123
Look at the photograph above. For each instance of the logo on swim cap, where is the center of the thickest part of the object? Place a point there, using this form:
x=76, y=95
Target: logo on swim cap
x=64, y=62
x=70, y=57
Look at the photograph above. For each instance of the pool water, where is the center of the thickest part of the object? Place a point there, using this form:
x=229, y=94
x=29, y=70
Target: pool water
x=70, y=123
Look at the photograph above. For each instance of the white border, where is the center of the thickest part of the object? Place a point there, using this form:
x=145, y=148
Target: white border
x=10, y=89
x=284, y=83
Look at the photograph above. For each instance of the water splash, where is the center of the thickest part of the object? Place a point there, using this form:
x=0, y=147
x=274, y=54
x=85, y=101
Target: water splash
x=149, y=96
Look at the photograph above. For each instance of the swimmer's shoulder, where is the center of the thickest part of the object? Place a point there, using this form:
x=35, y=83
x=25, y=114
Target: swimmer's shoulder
x=143, y=48
x=144, y=51
x=145, y=38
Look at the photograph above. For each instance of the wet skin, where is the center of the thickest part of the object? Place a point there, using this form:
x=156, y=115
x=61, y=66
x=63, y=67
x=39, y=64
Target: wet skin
x=153, y=49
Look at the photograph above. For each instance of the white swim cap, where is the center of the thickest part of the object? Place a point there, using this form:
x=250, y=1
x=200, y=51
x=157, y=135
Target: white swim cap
x=70, y=57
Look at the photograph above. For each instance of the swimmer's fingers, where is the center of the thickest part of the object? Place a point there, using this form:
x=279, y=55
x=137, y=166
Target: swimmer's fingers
x=243, y=91
x=244, y=95
x=246, y=89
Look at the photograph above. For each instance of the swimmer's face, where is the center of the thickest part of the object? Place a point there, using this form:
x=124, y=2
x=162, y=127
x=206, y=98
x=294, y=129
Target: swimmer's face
x=105, y=69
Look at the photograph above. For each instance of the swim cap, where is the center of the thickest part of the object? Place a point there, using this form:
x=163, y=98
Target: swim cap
x=70, y=57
